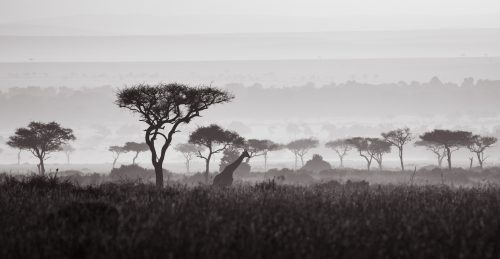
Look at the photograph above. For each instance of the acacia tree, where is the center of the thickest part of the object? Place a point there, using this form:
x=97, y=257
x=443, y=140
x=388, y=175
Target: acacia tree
x=215, y=139
x=435, y=148
x=341, y=147
x=41, y=139
x=398, y=138
x=451, y=141
x=135, y=147
x=378, y=148
x=189, y=151
x=363, y=147
x=117, y=151
x=68, y=149
x=478, y=144
x=300, y=147
x=167, y=104
x=258, y=147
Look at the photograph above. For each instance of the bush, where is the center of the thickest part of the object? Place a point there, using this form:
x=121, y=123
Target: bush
x=135, y=173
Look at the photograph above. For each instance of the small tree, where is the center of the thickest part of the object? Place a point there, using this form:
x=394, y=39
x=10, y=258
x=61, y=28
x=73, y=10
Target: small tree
x=41, y=139
x=135, y=147
x=341, y=147
x=435, y=148
x=378, y=148
x=478, y=144
x=117, y=151
x=215, y=139
x=300, y=147
x=363, y=147
x=269, y=146
x=255, y=147
x=189, y=151
x=449, y=140
x=167, y=104
x=68, y=149
x=398, y=138
x=19, y=156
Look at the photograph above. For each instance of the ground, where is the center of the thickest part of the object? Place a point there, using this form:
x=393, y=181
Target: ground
x=47, y=218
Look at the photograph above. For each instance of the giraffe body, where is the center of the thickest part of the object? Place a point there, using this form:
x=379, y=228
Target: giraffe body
x=225, y=178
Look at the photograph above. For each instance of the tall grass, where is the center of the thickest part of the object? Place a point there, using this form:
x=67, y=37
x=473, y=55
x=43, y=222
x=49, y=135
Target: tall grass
x=45, y=218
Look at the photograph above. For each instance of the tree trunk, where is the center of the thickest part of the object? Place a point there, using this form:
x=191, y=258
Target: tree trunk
x=448, y=154
x=19, y=157
x=341, y=161
x=187, y=166
x=135, y=157
x=440, y=161
x=67, y=158
x=42, y=167
x=302, y=160
x=401, y=159
x=159, y=174
x=114, y=162
x=368, y=164
x=265, y=162
x=207, y=168
x=379, y=165
x=479, y=160
x=471, y=162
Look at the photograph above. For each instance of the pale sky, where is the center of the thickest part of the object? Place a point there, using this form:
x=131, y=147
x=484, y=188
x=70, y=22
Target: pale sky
x=21, y=10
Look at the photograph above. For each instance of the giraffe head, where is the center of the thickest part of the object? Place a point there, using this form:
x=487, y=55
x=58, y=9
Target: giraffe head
x=245, y=153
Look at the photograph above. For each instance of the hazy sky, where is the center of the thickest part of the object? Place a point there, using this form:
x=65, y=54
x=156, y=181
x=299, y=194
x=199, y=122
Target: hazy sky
x=20, y=10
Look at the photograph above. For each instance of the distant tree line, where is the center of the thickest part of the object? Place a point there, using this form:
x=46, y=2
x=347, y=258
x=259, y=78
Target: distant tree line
x=163, y=108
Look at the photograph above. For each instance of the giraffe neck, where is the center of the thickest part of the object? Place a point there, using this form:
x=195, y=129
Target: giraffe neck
x=230, y=168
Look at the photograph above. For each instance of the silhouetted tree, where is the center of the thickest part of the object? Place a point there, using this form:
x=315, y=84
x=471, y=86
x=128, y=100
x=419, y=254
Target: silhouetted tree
x=378, y=148
x=398, y=138
x=341, y=147
x=449, y=140
x=117, y=151
x=135, y=147
x=270, y=146
x=435, y=148
x=189, y=151
x=41, y=139
x=300, y=147
x=255, y=147
x=68, y=149
x=477, y=144
x=363, y=147
x=164, y=104
x=215, y=139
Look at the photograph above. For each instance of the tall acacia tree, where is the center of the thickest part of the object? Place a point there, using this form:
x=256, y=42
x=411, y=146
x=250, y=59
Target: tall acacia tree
x=300, y=147
x=449, y=140
x=167, y=104
x=189, y=151
x=478, y=144
x=363, y=147
x=435, y=148
x=41, y=139
x=398, y=138
x=215, y=139
x=135, y=147
x=341, y=147
x=117, y=151
x=378, y=148
x=67, y=149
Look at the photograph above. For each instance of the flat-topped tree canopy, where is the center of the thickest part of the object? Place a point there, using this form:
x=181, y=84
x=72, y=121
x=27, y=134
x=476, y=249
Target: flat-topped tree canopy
x=41, y=139
x=170, y=103
x=163, y=104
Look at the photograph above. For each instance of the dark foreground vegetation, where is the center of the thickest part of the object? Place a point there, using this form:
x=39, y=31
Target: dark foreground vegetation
x=49, y=218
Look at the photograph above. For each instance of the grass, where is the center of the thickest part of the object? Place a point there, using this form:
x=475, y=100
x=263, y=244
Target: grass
x=47, y=218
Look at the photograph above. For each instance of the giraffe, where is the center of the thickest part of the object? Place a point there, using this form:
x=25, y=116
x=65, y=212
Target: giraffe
x=225, y=178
